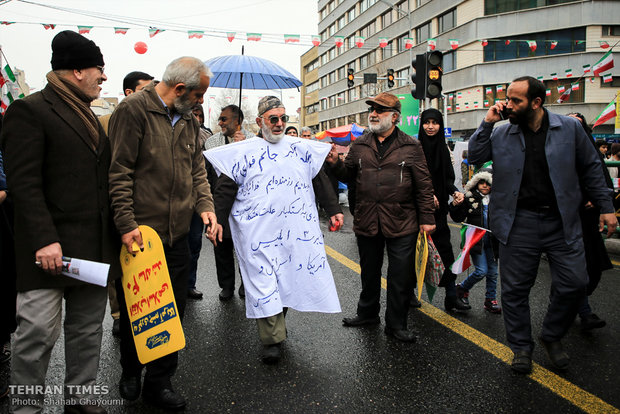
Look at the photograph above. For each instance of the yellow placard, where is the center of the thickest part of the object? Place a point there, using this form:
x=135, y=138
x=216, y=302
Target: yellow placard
x=421, y=257
x=153, y=313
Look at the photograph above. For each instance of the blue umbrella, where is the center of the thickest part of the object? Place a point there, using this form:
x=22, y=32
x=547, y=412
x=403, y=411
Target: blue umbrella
x=251, y=72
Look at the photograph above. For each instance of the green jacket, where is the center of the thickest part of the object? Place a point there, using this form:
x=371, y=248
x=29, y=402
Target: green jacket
x=157, y=175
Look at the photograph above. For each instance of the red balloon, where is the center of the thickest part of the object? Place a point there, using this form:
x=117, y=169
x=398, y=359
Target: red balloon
x=140, y=48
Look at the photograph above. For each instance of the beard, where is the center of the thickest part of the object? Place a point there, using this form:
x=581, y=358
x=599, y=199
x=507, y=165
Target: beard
x=269, y=136
x=385, y=123
x=183, y=105
x=522, y=117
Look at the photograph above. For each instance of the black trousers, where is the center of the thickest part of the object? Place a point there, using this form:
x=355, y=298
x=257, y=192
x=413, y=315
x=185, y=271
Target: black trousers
x=159, y=372
x=531, y=234
x=225, y=263
x=400, y=277
x=441, y=239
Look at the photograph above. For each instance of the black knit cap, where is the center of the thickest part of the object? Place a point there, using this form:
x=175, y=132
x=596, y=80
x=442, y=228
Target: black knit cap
x=71, y=50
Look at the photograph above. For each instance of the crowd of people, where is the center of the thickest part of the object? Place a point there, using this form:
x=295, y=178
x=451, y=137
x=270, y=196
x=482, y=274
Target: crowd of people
x=78, y=186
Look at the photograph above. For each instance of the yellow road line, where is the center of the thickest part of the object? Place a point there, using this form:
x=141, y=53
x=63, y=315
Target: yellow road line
x=582, y=399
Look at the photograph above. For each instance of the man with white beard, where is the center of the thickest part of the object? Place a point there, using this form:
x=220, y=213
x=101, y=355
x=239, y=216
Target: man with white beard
x=394, y=201
x=266, y=190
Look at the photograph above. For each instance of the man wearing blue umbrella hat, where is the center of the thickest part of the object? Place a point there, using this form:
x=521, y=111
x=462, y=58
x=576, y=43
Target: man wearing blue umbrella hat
x=266, y=191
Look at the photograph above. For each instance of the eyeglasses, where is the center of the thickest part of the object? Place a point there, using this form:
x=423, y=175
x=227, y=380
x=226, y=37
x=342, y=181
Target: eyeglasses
x=378, y=110
x=273, y=119
x=101, y=69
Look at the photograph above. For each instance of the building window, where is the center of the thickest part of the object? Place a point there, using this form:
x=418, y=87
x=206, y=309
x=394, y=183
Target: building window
x=402, y=77
x=340, y=98
x=447, y=21
x=332, y=101
x=423, y=32
x=387, y=51
x=615, y=83
x=569, y=41
x=341, y=73
x=401, y=44
x=503, y=6
x=312, y=87
x=574, y=97
x=332, y=77
x=312, y=108
x=449, y=62
x=350, y=119
x=367, y=60
x=351, y=15
x=351, y=42
x=386, y=20
x=368, y=30
x=611, y=30
x=323, y=35
x=332, y=123
x=330, y=6
x=323, y=58
x=341, y=22
x=332, y=53
x=332, y=29
x=419, y=3
x=324, y=13
x=324, y=81
x=312, y=66
x=323, y=104
x=365, y=4
x=352, y=94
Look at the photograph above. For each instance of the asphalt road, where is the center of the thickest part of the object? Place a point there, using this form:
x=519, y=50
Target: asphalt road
x=458, y=365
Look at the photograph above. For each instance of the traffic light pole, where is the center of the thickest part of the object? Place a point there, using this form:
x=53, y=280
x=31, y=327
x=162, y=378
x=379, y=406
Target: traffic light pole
x=408, y=14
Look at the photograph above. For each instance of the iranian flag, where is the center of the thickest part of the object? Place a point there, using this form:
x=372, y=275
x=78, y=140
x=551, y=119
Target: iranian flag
x=195, y=34
x=532, y=45
x=574, y=87
x=608, y=113
x=500, y=88
x=458, y=106
x=548, y=92
x=484, y=42
x=120, y=30
x=607, y=78
x=561, y=89
x=564, y=97
x=48, y=26
x=507, y=42
x=475, y=104
x=7, y=99
x=291, y=38
x=489, y=90
x=540, y=78
x=6, y=75
x=603, y=44
x=6, y=23
x=230, y=36
x=84, y=29
x=586, y=68
x=383, y=41
x=470, y=235
x=449, y=107
x=454, y=43
x=486, y=103
x=254, y=37
x=316, y=40
x=554, y=43
x=339, y=41
x=432, y=44
x=554, y=76
x=604, y=64
x=568, y=73
x=154, y=31
x=408, y=43
x=359, y=41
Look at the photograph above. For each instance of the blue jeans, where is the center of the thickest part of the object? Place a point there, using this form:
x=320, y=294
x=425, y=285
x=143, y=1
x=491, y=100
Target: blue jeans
x=485, y=266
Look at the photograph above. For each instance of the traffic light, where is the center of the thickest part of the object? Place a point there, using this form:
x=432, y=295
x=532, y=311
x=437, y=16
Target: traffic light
x=434, y=72
x=390, y=78
x=350, y=78
x=418, y=77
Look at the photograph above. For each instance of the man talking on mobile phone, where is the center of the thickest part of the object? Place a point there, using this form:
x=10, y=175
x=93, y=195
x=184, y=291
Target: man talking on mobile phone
x=158, y=178
x=539, y=160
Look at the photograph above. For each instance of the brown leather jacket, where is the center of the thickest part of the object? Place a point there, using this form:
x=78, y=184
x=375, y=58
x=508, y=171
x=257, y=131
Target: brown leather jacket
x=394, y=194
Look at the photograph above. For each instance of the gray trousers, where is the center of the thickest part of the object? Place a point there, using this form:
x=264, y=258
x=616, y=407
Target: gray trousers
x=39, y=319
x=532, y=234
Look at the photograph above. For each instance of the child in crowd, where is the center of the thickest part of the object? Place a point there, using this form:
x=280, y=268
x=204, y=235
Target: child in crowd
x=474, y=209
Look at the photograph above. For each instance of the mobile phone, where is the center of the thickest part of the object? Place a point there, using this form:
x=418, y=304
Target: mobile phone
x=504, y=113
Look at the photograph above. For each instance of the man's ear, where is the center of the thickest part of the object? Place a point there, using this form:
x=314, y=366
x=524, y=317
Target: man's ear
x=259, y=122
x=536, y=103
x=78, y=74
x=179, y=89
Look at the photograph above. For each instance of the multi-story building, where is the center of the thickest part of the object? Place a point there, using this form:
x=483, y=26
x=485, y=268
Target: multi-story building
x=492, y=42
x=309, y=114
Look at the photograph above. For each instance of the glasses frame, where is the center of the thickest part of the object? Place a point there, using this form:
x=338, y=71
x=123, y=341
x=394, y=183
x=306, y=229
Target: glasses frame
x=283, y=118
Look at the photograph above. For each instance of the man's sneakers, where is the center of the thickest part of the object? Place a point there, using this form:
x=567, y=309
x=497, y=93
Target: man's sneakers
x=522, y=362
x=492, y=306
x=271, y=353
x=591, y=321
x=455, y=303
x=555, y=352
x=463, y=295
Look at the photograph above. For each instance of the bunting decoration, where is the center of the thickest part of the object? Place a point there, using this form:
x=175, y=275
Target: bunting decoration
x=449, y=107
x=432, y=44
x=155, y=31
x=540, y=78
x=484, y=42
x=84, y=29
x=607, y=78
x=532, y=45
x=507, y=42
x=13, y=90
x=49, y=26
x=554, y=76
x=568, y=73
x=6, y=76
x=486, y=103
x=339, y=41
x=230, y=36
x=359, y=41
x=121, y=30
x=291, y=38
x=316, y=40
x=195, y=34
x=475, y=104
x=575, y=86
x=489, y=90
x=6, y=23
x=500, y=88
x=586, y=69
x=604, y=64
x=408, y=43
x=564, y=97
x=603, y=44
x=561, y=89
x=554, y=43
x=608, y=113
x=548, y=92
x=454, y=44
x=254, y=37
x=383, y=42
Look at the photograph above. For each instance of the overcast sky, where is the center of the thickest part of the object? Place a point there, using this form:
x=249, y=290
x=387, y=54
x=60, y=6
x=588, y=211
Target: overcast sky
x=28, y=46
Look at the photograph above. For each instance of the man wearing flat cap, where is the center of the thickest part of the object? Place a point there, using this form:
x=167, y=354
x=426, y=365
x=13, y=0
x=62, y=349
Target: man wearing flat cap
x=394, y=201
x=56, y=160
x=266, y=190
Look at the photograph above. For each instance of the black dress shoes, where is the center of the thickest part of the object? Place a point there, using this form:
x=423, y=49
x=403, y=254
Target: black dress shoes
x=555, y=352
x=359, y=321
x=193, y=293
x=116, y=327
x=241, y=291
x=401, y=334
x=226, y=294
x=415, y=303
x=591, y=321
x=453, y=302
x=522, y=362
x=271, y=354
x=164, y=398
x=129, y=387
